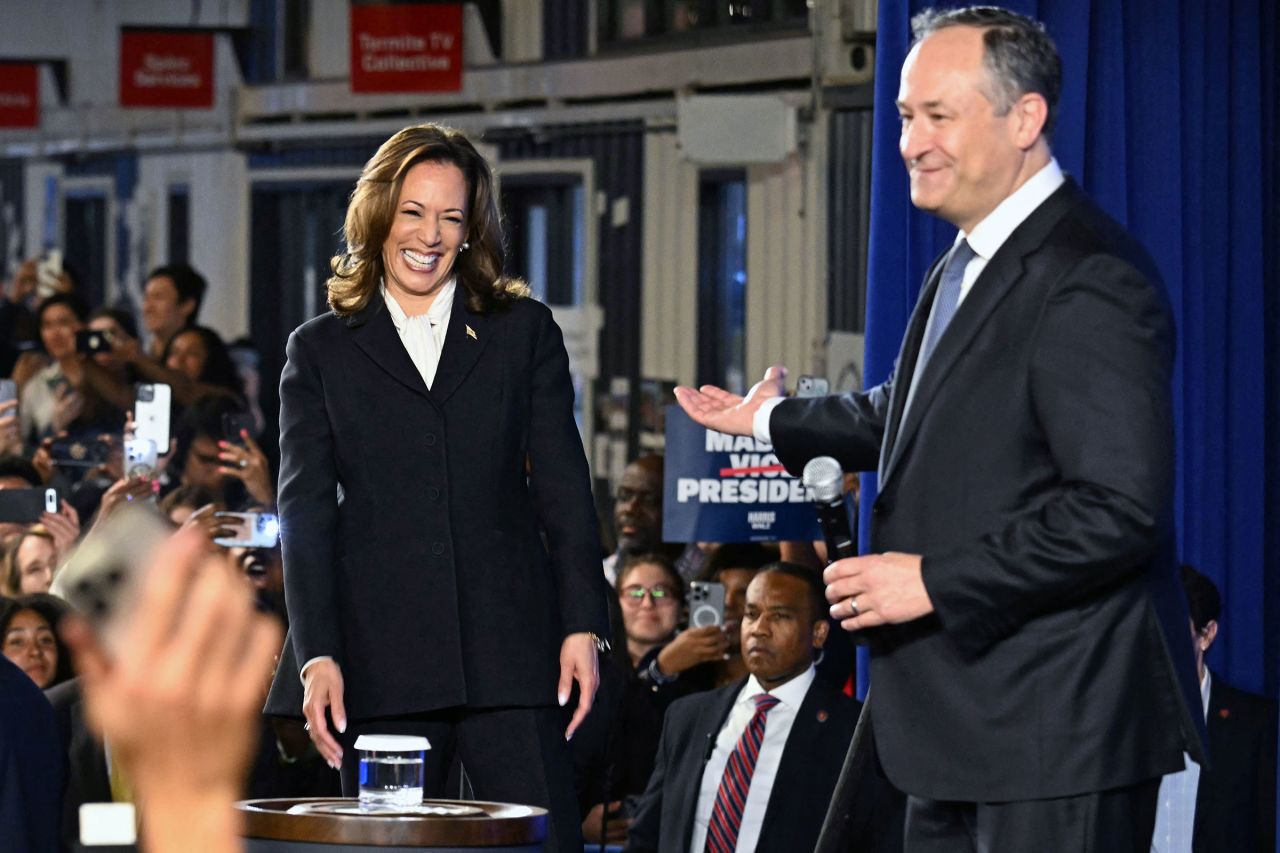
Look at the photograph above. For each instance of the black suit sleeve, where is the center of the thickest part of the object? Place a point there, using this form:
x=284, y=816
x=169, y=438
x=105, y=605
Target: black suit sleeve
x=646, y=825
x=848, y=427
x=561, y=484
x=1100, y=379
x=308, y=504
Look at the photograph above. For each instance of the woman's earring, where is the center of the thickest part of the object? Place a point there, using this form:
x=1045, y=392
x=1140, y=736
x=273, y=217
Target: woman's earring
x=465, y=246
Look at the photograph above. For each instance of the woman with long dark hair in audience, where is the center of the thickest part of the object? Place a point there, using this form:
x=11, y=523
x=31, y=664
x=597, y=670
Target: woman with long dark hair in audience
x=199, y=353
x=428, y=444
x=28, y=631
x=58, y=398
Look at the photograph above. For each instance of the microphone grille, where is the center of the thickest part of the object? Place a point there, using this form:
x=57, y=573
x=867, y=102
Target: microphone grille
x=824, y=478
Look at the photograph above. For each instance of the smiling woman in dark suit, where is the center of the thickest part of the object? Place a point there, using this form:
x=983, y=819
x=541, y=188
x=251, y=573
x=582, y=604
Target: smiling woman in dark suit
x=442, y=566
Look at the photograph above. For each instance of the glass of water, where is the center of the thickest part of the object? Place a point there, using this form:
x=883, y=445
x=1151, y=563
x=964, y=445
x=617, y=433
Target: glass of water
x=391, y=769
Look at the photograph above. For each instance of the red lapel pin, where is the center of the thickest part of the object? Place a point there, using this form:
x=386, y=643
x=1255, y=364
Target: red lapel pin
x=822, y=716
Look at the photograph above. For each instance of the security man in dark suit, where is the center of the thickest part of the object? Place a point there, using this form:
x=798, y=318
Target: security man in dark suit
x=441, y=555
x=1229, y=806
x=709, y=793
x=1031, y=679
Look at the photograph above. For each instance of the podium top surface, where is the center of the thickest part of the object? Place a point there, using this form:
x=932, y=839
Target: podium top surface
x=501, y=824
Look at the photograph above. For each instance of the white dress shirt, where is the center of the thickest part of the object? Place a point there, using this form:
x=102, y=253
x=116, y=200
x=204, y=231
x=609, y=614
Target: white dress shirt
x=986, y=239
x=423, y=337
x=777, y=728
x=1176, y=806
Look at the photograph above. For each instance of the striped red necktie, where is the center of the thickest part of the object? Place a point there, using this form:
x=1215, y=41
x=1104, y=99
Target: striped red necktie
x=731, y=799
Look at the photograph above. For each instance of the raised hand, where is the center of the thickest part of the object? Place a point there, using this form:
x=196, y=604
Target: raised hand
x=716, y=408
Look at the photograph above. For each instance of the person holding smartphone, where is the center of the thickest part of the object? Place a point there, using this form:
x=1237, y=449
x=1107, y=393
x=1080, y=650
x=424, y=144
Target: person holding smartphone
x=428, y=446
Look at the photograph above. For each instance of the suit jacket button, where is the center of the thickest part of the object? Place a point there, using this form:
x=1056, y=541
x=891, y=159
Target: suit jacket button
x=430, y=439
x=433, y=493
x=437, y=548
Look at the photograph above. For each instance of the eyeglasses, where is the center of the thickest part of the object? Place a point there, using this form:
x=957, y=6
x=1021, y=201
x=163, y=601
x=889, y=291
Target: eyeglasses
x=660, y=594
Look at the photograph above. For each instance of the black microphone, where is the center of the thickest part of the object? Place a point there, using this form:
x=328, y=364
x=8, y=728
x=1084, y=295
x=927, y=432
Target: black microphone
x=824, y=478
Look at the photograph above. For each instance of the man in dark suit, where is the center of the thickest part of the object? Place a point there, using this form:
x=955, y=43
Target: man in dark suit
x=88, y=774
x=1231, y=804
x=1030, y=671
x=692, y=803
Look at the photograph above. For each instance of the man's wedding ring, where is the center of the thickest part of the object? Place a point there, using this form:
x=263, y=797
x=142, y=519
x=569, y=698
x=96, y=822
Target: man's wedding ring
x=853, y=606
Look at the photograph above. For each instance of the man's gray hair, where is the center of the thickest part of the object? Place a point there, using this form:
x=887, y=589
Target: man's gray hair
x=1017, y=51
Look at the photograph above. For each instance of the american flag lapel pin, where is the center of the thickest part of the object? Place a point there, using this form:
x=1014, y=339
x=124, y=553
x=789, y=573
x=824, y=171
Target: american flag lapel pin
x=471, y=333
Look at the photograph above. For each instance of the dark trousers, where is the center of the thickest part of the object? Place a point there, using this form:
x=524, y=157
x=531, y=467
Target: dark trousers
x=1120, y=820
x=511, y=755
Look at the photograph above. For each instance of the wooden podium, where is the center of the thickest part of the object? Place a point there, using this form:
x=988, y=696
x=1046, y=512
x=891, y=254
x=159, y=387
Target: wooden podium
x=327, y=825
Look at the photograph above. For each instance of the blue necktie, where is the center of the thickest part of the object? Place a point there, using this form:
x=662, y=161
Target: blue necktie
x=948, y=298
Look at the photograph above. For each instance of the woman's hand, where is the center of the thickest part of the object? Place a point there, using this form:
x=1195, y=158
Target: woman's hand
x=692, y=647
x=248, y=464
x=67, y=406
x=64, y=527
x=42, y=459
x=10, y=433
x=322, y=685
x=122, y=491
x=578, y=662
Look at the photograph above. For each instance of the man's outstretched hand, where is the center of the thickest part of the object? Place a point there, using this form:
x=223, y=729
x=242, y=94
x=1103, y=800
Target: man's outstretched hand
x=716, y=408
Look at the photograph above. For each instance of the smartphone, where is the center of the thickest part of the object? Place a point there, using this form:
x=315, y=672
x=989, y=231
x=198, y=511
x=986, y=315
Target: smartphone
x=706, y=604
x=79, y=453
x=102, y=578
x=25, y=506
x=49, y=273
x=151, y=414
x=812, y=386
x=92, y=341
x=252, y=529
x=233, y=422
x=8, y=390
x=140, y=457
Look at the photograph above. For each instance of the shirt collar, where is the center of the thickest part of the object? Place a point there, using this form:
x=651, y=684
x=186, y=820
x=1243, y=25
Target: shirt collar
x=440, y=308
x=990, y=234
x=790, y=693
x=1206, y=686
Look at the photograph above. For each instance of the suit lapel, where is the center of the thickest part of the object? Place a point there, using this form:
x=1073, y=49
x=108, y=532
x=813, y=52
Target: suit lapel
x=464, y=341
x=711, y=719
x=374, y=332
x=1000, y=274
x=797, y=757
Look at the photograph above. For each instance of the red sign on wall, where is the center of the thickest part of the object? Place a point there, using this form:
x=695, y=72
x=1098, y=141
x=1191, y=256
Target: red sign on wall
x=166, y=69
x=19, y=95
x=406, y=48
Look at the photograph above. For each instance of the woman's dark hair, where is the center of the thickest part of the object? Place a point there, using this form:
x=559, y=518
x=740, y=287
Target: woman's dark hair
x=653, y=558
x=124, y=319
x=51, y=609
x=73, y=303
x=219, y=368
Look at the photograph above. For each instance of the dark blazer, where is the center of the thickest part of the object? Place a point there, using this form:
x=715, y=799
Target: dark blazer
x=32, y=770
x=811, y=761
x=1236, y=800
x=88, y=780
x=412, y=520
x=1034, y=473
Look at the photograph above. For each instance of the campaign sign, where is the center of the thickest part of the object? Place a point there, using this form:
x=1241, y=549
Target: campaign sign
x=19, y=95
x=729, y=488
x=166, y=69
x=406, y=48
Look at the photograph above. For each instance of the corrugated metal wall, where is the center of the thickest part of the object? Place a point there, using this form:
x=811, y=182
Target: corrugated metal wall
x=787, y=260
x=564, y=28
x=669, y=314
x=849, y=220
x=617, y=148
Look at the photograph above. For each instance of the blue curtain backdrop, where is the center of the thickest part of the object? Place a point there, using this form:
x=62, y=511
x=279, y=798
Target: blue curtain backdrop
x=1168, y=119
